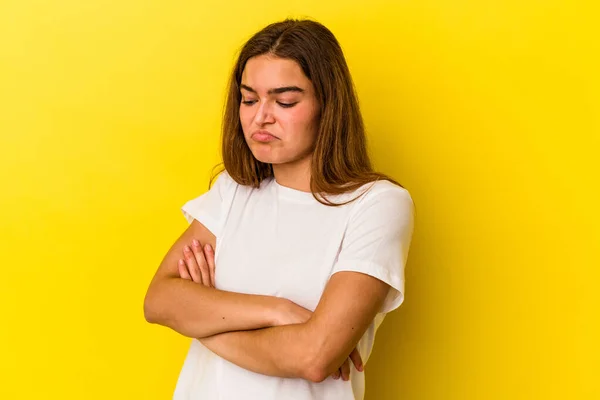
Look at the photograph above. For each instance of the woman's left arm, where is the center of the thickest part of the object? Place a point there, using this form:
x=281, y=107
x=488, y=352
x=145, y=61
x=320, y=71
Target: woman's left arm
x=369, y=267
x=315, y=349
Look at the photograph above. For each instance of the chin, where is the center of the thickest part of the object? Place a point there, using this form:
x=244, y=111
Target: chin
x=267, y=159
x=265, y=155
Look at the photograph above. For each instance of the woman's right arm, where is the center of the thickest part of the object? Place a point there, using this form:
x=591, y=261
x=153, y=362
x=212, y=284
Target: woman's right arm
x=198, y=311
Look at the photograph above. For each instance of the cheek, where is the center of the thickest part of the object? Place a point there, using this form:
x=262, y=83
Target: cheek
x=298, y=122
x=245, y=118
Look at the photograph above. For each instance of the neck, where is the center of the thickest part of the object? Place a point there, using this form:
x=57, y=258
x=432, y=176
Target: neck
x=294, y=175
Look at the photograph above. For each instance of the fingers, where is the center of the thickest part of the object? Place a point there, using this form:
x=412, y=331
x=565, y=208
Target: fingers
x=201, y=262
x=198, y=264
x=192, y=265
x=356, y=359
x=336, y=374
x=210, y=259
x=183, y=271
x=345, y=370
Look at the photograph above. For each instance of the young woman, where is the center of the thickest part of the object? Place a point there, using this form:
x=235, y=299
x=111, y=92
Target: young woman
x=296, y=253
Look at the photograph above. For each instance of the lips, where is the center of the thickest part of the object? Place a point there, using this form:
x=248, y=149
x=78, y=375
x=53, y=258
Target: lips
x=263, y=136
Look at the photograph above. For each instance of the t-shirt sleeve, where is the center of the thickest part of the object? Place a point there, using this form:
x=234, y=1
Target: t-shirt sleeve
x=208, y=209
x=377, y=241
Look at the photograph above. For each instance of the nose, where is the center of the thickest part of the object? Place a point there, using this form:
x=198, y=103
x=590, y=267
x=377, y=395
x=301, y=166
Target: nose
x=264, y=114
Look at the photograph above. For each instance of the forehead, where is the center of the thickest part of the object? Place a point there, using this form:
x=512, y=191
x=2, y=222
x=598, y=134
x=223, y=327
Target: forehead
x=266, y=72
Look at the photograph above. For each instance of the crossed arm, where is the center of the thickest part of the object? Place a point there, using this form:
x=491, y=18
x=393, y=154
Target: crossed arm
x=311, y=350
x=240, y=328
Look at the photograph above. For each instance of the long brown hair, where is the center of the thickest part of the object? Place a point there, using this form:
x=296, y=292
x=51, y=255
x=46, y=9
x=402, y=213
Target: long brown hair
x=340, y=161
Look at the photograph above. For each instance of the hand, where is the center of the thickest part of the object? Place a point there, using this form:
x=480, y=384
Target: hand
x=198, y=264
x=344, y=370
x=287, y=313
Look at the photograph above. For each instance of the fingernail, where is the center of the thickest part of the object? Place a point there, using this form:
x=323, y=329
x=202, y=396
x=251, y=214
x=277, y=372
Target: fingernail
x=186, y=248
x=208, y=247
x=196, y=242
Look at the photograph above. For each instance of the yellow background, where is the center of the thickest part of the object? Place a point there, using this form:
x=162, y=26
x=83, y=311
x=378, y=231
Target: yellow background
x=487, y=111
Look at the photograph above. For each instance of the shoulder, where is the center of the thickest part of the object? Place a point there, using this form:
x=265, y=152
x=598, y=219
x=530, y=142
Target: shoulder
x=224, y=183
x=386, y=197
x=223, y=178
x=377, y=188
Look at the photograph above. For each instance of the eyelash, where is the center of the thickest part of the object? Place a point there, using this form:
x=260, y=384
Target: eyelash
x=283, y=105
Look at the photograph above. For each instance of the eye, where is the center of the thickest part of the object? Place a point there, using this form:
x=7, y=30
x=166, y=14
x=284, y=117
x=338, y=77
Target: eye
x=287, y=105
x=248, y=102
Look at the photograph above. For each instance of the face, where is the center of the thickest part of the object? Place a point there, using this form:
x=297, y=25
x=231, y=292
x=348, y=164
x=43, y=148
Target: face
x=279, y=111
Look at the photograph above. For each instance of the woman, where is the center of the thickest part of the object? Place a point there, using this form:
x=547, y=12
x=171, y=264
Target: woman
x=309, y=242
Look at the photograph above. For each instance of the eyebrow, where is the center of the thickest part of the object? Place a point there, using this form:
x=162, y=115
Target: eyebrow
x=275, y=90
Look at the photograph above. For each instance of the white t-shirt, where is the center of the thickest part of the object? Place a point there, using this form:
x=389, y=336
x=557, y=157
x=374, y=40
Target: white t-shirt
x=282, y=242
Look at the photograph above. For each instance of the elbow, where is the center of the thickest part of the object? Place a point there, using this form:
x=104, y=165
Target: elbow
x=322, y=368
x=319, y=370
x=316, y=368
x=149, y=312
x=313, y=358
x=157, y=310
x=321, y=361
x=152, y=312
x=316, y=374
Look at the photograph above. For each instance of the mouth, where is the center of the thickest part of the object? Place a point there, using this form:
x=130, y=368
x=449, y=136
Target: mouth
x=263, y=137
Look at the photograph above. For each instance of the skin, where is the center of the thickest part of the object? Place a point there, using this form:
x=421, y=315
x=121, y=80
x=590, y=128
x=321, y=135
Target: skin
x=278, y=98
x=264, y=334
x=292, y=116
x=198, y=265
x=197, y=311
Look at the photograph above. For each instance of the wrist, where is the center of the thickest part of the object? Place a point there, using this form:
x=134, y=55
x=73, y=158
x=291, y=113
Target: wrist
x=278, y=310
